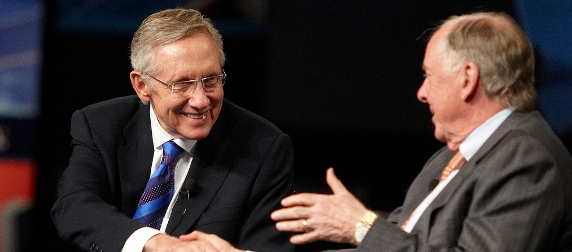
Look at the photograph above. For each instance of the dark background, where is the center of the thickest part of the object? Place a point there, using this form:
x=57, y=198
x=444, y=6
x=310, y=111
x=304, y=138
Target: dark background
x=340, y=77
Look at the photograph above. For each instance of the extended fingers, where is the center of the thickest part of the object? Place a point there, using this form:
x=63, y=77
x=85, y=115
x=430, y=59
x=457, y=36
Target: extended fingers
x=304, y=238
x=290, y=213
x=300, y=199
x=299, y=226
x=306, y=232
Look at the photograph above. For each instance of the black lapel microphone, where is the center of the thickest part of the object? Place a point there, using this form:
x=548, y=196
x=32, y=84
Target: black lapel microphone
x=189, y=188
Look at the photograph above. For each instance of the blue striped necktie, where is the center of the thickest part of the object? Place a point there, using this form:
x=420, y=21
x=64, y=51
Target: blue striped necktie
x=159, y=190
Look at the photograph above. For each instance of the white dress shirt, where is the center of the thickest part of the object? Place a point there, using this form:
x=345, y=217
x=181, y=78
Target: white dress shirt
x=137, y=240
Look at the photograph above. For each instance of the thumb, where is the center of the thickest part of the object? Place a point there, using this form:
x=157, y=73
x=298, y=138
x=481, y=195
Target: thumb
x=334, y=183
x=195, y=235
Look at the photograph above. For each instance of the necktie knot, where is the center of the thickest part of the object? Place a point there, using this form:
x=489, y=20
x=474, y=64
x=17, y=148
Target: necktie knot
x=456, y=161
x=454, y=164
x=170, y=153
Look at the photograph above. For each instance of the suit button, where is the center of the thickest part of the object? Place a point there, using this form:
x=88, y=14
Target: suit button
x=94, y=248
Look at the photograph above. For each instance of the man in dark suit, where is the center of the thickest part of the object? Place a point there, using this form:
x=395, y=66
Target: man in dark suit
x=227, y=180
x=506, y=189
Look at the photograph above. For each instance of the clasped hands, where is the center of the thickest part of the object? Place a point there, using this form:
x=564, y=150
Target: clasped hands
x=193, y=242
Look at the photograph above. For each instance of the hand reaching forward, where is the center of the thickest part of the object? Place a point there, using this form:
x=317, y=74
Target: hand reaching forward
x=321, y=216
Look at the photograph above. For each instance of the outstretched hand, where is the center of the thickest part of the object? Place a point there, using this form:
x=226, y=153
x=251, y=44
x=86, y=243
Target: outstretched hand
x=327, y=217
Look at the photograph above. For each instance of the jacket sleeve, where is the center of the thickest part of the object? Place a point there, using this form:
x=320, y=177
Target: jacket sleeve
x=85, y=212
x=273, y=183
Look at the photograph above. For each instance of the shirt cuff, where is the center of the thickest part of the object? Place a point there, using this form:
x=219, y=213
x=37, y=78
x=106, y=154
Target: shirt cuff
x=137, y=240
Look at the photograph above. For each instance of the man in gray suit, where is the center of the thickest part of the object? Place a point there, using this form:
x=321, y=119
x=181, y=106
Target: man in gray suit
x=513, y=190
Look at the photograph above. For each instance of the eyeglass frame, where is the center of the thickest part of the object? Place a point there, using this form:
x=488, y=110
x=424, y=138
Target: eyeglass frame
x=171, y=86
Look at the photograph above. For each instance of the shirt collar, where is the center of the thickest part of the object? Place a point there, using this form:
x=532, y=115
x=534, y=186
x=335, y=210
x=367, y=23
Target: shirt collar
x=160, y=136
x=479, y=136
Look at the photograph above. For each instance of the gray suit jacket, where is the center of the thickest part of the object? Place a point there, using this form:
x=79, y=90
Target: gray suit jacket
x=515, y=194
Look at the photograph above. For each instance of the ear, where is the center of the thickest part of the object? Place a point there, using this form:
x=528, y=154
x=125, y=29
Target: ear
x=470, y=80
x=142, y=89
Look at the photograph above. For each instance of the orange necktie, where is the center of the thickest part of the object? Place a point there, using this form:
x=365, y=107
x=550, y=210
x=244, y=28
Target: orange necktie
x=456, y=161
x=453, y=165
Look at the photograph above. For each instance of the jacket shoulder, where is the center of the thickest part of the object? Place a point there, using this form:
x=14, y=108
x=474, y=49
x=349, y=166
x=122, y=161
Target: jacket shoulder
x=117, y=111
x=246, y=121
x=108, y=118
x=115, y=106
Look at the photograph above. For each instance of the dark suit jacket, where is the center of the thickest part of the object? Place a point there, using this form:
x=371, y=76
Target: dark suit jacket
x=514, y=194
x=242, y=169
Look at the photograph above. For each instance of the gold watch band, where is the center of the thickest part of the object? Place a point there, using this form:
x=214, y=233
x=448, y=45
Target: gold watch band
x=362, y=227
x=369, y=218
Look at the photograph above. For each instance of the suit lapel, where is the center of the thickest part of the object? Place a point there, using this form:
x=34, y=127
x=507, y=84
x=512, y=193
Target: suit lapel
x=209, y=177
x=468, y=168
x=209, y=169
x=134, y=159
x=424, y=182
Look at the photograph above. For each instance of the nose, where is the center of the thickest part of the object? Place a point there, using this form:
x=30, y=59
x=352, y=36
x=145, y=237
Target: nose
x=199, y=98
x=422, y=92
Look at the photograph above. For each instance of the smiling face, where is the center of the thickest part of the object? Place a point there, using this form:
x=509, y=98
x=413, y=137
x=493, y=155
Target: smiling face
x=193, y=114
x=441, y=90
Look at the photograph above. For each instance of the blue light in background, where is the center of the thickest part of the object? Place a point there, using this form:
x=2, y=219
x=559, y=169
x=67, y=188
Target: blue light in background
x=549, y=27
x=21, y=30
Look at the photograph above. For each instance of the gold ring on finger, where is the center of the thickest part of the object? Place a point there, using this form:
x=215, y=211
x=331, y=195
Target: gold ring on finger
x=305, y=224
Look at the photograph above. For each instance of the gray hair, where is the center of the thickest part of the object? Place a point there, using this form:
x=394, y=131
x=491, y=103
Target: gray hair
x=500, y=49
x=165, y=27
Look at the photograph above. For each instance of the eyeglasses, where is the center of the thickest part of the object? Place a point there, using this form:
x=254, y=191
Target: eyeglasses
x=210, y=84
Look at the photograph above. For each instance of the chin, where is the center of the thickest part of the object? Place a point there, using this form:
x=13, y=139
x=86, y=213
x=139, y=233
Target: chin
x=440, y=137
x=197, y=134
